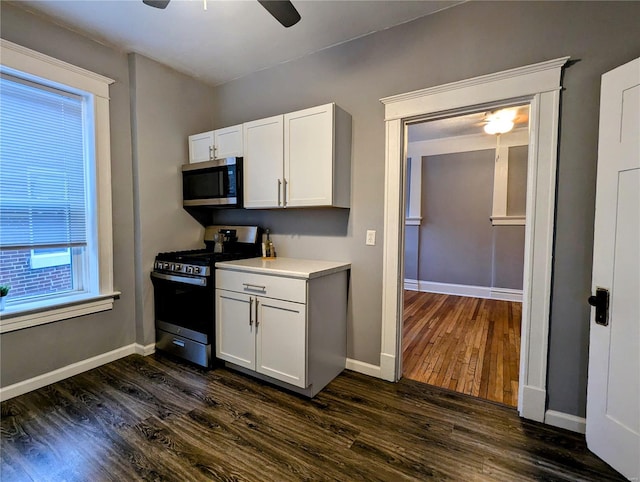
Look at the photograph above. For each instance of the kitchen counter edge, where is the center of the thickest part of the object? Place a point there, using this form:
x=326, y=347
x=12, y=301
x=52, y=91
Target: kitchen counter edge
x=285, y=267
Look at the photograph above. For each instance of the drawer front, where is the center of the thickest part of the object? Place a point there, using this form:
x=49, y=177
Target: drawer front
x=193, y=351
x=288, y=289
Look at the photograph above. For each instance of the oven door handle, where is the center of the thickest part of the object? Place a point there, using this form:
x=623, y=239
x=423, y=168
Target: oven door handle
x=180, y=279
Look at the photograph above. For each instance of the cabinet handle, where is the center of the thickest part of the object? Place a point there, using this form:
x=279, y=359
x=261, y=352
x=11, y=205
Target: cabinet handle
x=179, y=343
x=257, y=312
x=284, y=194
x=279, y=187
x=211, y=153
x=249, y=286
x=250, y=311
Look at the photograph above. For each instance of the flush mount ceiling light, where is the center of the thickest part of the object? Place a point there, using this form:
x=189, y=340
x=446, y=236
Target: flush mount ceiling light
x=500, y=122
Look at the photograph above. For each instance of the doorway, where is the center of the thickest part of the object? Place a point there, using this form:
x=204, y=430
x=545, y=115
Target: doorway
x=465, y=207
x=536, y=84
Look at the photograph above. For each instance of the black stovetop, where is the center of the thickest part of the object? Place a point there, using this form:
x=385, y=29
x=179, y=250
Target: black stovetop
x=207, y=257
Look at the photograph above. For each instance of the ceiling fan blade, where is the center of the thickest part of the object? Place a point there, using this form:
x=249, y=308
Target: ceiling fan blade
x=162, y=4
x=282, y=10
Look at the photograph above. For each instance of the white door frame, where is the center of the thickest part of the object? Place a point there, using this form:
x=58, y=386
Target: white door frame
x=538, y=84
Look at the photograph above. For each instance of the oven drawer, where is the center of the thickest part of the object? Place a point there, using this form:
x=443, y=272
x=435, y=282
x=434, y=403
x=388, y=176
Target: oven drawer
x=262, y=285
x=183, y=347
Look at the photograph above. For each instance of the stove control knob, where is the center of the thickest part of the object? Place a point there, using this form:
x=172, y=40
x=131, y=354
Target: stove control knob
x=189, y=269
x=165, y=266
x=196, y=270
x=178, y=267
x=172, y=267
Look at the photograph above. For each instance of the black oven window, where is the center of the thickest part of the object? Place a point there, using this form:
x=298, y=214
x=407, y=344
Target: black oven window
x=184, y=305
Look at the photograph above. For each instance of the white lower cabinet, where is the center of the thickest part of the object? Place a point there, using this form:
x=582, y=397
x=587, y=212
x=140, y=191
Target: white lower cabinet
x=288, y=331
x=235, y=331
x=262, y=334
x=281, y=341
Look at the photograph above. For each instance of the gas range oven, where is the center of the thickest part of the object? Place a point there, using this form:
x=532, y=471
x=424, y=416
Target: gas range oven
x=184, y=291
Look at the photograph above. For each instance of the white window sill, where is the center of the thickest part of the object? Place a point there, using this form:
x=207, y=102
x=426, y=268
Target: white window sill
x=27, y=315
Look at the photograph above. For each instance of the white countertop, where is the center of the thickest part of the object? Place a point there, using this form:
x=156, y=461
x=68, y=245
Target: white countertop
x=288, y=267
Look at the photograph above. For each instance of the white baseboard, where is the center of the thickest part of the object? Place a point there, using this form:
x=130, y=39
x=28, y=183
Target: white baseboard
x=145, y=350
x=388, y=367
x=566, y=421
x=504, y=294
x=54, y=376
x=362, y=367
x=411, y=285
x=533, y=403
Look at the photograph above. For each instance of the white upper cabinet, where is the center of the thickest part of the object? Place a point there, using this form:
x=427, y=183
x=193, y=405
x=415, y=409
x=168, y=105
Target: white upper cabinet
x=217, y=144
x=263, y=148
x=299, y=159
x=228, y=142
x=201, y=147
x=317, y=155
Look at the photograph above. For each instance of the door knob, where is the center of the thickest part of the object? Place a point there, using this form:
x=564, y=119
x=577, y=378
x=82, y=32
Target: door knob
x=601, y=303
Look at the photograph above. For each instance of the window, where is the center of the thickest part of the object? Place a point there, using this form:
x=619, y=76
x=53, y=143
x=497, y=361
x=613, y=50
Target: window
x=46, y=189
x=54, y=189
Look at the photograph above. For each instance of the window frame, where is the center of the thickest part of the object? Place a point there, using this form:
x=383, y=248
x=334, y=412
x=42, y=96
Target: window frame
x=39, y=67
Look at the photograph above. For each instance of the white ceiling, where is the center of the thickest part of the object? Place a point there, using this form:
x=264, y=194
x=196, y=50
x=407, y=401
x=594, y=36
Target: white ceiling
x=462, y=125
x=231, y=38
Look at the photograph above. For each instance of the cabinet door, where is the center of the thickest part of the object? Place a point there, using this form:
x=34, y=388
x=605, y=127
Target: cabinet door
x=228, y=142
x=263, y=157
x=201, y=147
x=235, y=328
x=281, y=343
x=308, y=156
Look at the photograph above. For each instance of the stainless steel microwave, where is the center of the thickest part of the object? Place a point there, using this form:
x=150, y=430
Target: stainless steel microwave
x=213, y=183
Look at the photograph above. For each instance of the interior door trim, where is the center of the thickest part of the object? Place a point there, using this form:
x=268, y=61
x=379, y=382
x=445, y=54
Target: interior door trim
x=540, y=84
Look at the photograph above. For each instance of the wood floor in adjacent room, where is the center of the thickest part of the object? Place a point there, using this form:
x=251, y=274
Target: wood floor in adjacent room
x=470, y=345
x=156, y=419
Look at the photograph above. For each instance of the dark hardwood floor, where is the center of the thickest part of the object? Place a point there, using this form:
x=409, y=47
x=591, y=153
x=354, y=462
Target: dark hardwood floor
x=157, y=419
x=470, y=345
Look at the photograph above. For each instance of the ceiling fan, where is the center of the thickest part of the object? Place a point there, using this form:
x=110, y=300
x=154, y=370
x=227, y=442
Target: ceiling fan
x=282, y=10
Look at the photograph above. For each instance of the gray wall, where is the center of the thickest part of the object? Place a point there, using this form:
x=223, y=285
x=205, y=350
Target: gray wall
x=452, y=45
x=456, y=241
x=167, y=106
x=456, y=235
x=411, y=251
x=517, y=181
x=33, y=351
x=508, y=255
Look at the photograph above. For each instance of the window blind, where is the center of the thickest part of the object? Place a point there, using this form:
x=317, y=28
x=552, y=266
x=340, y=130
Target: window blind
x=42, y=166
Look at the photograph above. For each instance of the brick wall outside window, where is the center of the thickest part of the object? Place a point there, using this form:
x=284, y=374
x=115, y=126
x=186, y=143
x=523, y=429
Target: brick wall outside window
x=15, y=270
